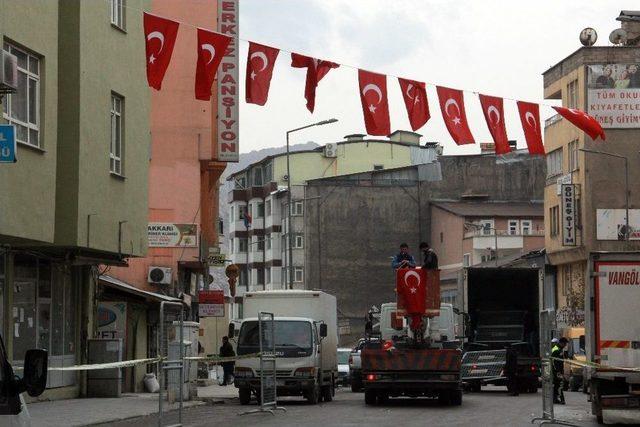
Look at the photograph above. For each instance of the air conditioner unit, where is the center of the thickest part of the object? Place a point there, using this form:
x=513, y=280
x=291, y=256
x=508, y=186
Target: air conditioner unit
x=8, y=73
x=159, y=275
x=331, y=150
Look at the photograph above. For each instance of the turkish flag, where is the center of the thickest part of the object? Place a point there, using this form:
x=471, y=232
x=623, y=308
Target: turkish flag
x=530, y=119
x=452, y=107
x=492, y=108
x=411, y=288
x=160, y=37
x=415, y=99
x=260, y=64
x=375, y=106
x=582, y=120
x=316, y=70
x=211, y=50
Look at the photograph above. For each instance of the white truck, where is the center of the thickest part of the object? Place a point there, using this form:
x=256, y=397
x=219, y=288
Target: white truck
x=613, y=336
x=306, y=339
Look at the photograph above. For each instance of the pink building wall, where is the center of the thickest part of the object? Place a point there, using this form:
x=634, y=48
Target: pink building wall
x=181, y=129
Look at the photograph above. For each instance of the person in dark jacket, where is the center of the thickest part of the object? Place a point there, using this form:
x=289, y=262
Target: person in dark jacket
x=403, y=259
x=430, y=257
x=511, y=371
x=557, y=371
x=226, y=350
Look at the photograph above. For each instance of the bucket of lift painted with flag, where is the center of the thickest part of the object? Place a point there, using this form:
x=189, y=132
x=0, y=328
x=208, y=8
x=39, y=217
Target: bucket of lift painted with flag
x=413, y=363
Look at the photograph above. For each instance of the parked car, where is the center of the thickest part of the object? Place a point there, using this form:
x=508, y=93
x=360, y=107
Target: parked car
x=343, y=366
x=355, y=367
x=13, y=409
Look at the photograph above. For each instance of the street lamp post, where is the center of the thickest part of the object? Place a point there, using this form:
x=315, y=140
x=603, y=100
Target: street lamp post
x=626, y=185
x=289, y=242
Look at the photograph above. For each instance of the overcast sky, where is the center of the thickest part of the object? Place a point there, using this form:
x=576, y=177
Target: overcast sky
x=494, y=47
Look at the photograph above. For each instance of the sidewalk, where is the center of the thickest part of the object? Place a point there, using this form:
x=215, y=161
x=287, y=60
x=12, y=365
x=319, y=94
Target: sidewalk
x=82, y=412
x=217, y=392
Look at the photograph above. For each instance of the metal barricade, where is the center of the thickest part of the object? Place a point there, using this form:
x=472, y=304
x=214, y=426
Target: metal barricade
x=167, y=366
x=268, y=381
x=547, y=332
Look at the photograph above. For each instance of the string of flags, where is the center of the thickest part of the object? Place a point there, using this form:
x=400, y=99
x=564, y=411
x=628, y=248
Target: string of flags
x=160, y=38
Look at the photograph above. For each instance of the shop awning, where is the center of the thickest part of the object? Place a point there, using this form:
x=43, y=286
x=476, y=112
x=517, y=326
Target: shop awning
x=118, y=284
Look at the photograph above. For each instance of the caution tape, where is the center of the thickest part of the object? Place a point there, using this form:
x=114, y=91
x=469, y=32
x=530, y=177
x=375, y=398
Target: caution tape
x=218, y=359
x=587, y=364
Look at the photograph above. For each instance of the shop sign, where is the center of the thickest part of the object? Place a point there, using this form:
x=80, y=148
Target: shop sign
x=211, y=303
x=169, y=235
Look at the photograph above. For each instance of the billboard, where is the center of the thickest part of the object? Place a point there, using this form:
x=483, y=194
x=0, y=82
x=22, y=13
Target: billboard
x=169, y=235
x=610, y=224
x=613, y=94
x=228, y=84
x=211, y=303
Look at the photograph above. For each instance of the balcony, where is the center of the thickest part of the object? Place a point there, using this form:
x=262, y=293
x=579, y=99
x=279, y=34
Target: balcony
x=483, y=239
x=556, y=118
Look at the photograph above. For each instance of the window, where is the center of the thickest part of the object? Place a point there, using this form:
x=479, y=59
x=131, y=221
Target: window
x=268, y=172
x=466, y=260
x=260, y=210
x=268, y=241
x=242, y=246
x=572, y=94
x=117, y=13
x=298, y=242
x=241, y=211
x=240, y=182
x=260, y=276
x=267, y=208
x=115, y=152
x=231, y=246
x=260, y=243
x=298, y=208
x=573, y=156
x=298, y=274
x=257, y=177
x=268, y=274
x=22, y=108
x=231, y=213
x=554, y=163
x=378, y=167
x=526, y=227
x=554, y=222
x=486, y=226
x=513, y=228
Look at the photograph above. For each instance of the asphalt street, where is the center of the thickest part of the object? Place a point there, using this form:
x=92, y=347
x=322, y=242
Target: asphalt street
x=487, y=408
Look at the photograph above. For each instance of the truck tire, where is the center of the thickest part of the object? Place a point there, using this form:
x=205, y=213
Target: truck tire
x=327, y=393
x=313, y=395
x=455, y=398
x=356, y=385
x=370, y=397
x=244, y=394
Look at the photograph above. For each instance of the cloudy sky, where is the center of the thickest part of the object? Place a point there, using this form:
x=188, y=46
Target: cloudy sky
x=494, y=47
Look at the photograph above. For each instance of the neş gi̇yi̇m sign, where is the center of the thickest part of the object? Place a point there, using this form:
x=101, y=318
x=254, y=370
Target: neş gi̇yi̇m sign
x=169, y=235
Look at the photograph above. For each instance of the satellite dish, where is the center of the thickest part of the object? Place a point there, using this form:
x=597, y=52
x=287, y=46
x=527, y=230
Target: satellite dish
x=588, y=36
x=618, y=36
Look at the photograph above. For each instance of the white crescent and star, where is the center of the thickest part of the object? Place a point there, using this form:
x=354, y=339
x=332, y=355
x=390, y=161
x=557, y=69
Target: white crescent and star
x=451, y=101
x=212, y=50
x=411, y=273
x=531, y=120
x=377, y=90
x=493, y=109
x=416, y=98
x=265, y=62
x=156, y=35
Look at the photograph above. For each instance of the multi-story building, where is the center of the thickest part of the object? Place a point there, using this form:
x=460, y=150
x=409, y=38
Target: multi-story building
x=76, y=197
x=605, y=82
x=258, y=242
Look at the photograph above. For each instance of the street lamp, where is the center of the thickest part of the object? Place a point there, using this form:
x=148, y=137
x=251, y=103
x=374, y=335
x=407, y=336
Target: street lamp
x=626, y=185
x=290, y=249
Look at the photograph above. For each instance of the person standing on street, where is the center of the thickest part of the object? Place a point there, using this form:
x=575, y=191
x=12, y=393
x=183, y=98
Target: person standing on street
x=226, y=350
x=557, y=365
x=511, y=371
x=430, y=257
x=403, y=259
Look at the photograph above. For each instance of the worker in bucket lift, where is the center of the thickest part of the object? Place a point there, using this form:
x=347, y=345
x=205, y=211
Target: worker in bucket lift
x=403, y=259
x=557, y=365
x=430, y=257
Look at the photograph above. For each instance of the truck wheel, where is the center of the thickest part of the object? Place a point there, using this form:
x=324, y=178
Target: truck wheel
x=383, y=398
x=356, y=385
x=313, y=395
x=327, y=394
x=245, y=395
x=370, y=397
x=455, y=398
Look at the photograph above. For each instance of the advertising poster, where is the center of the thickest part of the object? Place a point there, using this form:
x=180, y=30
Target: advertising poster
x=613, y=95
x=168, y=235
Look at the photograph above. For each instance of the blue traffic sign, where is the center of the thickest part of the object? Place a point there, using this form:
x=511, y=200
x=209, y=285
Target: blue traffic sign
x=7, y=144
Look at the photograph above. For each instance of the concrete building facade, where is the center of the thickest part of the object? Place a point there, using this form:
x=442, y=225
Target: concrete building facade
x=258, y=242
x=354, y=223
x=591, y=79
x=76, y=197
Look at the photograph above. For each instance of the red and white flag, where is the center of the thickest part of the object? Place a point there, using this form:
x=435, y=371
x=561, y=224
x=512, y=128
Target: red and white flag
x=160, y=37
x=260, y=64
x=316, y=70
x=493, y=110
x=211, y=50
x=375, y=106
x=530, y=119
x=454, y=115
x=583, y=121
x=415, y=99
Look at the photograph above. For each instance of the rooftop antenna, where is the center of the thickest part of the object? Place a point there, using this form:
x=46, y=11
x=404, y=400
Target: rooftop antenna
x=618, y=37
x=588, y=37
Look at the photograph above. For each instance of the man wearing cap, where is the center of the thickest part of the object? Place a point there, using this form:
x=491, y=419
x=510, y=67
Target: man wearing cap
x=557, y=368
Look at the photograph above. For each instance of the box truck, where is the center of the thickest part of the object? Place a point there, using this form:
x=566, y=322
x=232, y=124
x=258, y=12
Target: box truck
x=306, y=341
x=613, y=336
